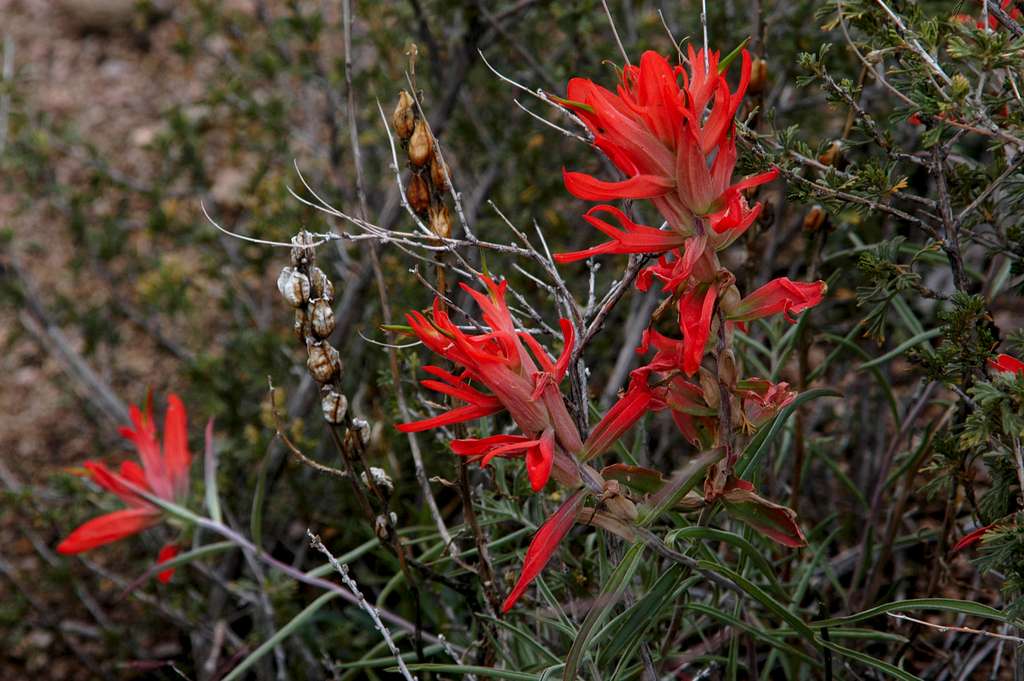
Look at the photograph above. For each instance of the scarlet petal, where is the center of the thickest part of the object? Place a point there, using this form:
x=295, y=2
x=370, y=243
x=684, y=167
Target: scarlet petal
x=108, y=528
x=544, y=544
x=588, y=188
x=457, y=415
x=972, y=538
x=177, y=458
x=167, y=551
x=620, y=418
x=539, y=460
x=1007, y=363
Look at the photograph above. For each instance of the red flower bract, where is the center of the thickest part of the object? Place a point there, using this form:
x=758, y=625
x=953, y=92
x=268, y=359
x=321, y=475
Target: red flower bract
x=1006, y=363
x=676, y=144
x=520, y=375
x=163, y=474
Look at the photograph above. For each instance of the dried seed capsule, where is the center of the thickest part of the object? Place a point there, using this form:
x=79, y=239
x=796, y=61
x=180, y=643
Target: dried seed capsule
x=437, y=176
x=323, y=362
x=814, y=219
x=362, y=427
x=404, y=118
x=321, y=317
x=441, y=220
x=727, y=368
x=758, y=76
x=320, y=284
x=302, y=328
x=294, y=286
x=421, y=146
x=335, y=406
x=709, y=387
x=418, y=194
x=302, y=254
x=381, y=480
x=730, y=299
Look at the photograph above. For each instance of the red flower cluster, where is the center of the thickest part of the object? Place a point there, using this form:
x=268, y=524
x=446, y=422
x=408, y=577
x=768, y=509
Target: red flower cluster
x=672, y=132
x=522, y=378
x=163, y=473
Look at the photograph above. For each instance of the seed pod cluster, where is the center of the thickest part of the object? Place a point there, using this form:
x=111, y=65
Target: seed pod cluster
x=429, y=179
x=310, y=292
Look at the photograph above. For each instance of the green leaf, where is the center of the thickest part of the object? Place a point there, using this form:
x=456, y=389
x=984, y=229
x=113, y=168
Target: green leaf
x=900, y=349
x=609, y=596
x=282, y=633
x=628, y=629
x=752, y=553
x=485, y=672
x=945, y=604
x=682, y=482
x=210, y=476
x=868, y=660
x=760, y=595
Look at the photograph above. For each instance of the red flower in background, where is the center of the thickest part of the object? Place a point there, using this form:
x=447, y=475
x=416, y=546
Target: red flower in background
x=522, y=378
x=1006, y=363
x=164, y=473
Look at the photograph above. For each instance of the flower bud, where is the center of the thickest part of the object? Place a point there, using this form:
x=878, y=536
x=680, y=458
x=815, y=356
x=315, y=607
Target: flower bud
x=334, y=406
x=441, y=220
x=437, y=176
x=758, y=76
x=727, y=368
x=380, y=478
x=730, y=299
x=418, y=194
x=404, y=118
x=833, y=154
x=321, y=317
x=301, y=324
x=815, y=219
x=323, y=362
x=320, y=285
x=709, y=388
x=294, y=286
x=421, y=146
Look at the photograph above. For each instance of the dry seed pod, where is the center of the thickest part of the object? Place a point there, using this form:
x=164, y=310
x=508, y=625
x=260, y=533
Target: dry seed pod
x=709, y=388
x=730, y=299
x=814, y=219
x=421, y=146
x=334, y=406
x=323, y=362
x=320, y=285
x=302, y=254
x=833, y=154
x=362, y=427
x=758, y=76
x=301, y=324
x=321, y=317
x=294, y=286
x=404, y=118
x=727, y=368
x=418, y=194
x=441, y=221
x=437, y=176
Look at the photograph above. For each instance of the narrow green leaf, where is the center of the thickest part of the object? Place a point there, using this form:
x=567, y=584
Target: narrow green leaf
x=210, y=476
x=485, y=672
x=609, y=596
x=900, y=349
x=282, y=633
x=759, y=444
x=682, y=482
x=760, y=595
x=945, y=604
x=868, y=660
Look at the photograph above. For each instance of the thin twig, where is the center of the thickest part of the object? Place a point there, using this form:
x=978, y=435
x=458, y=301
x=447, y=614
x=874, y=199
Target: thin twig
x=342, y=569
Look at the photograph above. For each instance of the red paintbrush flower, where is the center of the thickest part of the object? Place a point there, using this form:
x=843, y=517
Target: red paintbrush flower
x=674, y=142
x=163, y=473
x=779, y=295
x=520, y=375
x=1006, y=363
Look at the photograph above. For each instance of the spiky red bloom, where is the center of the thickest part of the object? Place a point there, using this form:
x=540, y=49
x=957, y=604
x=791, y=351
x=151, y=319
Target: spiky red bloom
x=163, y=473
x=520, y=375
x=780, y=295
x=674, y=142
